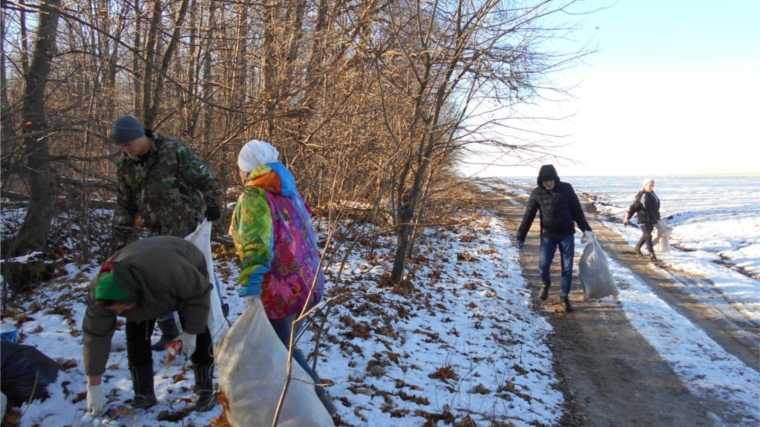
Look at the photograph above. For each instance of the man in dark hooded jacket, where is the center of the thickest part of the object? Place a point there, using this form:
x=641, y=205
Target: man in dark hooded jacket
x=559, y=208
x=149, y=277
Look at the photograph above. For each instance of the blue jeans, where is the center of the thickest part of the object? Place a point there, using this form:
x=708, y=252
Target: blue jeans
x=282, y=328
x=567, y=251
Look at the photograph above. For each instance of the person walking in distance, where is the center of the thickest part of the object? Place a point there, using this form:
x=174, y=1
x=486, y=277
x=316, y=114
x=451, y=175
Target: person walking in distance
x=162, y=187
x=559, y=210
x=646, y=206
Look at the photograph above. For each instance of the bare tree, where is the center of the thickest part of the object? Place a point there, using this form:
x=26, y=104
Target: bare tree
x=153, y=88
x=366, y=101
x=9, y=150
x=32, y=236
x=439, y=56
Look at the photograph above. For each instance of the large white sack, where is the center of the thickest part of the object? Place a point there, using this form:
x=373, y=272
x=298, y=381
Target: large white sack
x=251, y=362
x=594, y=271
x=662, y=240
x=217, y=324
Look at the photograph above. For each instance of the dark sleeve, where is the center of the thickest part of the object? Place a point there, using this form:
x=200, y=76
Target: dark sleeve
x=528, y=217
x=635, y=206
x=577, y=211
x=98, y=327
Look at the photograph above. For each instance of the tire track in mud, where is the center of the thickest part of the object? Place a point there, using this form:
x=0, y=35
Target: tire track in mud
x=728, y=323
x=692, y=296
x=699, y=300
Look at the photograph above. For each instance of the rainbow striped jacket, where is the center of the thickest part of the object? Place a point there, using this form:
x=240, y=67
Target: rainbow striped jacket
x=275, y=242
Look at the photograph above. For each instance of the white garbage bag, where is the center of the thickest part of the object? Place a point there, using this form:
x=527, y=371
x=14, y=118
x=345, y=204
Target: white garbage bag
x=217, y=324
x=594, y=271
x=252, y=366
x=661, y=241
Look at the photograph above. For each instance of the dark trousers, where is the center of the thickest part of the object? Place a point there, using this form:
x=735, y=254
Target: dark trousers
x=138, y=344
x=646, y=237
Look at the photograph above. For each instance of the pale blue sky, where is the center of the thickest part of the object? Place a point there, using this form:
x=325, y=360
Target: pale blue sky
x=673, y=89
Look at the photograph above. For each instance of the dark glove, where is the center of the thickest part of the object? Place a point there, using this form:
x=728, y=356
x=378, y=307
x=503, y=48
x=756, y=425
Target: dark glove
x=213, y=213
x=520, y=244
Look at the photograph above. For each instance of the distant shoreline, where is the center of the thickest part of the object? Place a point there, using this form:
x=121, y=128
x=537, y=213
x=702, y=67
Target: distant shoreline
x=665, y=175
x=678, y=175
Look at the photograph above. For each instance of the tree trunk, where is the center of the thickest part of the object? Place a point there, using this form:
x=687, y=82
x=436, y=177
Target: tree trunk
x=137, y=76
x=153, y=103
x=148, y=67
x=32, y=236
x=7, y=142
x=403, y=246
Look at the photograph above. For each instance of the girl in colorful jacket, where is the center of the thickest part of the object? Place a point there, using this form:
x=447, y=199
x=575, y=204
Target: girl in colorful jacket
x=275, y=242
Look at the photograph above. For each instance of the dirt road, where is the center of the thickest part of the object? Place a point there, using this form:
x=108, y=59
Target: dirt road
x=610, y=374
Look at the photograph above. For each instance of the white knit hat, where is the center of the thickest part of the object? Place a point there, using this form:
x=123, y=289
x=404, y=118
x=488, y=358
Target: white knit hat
x=256, y=153
x=646, y=181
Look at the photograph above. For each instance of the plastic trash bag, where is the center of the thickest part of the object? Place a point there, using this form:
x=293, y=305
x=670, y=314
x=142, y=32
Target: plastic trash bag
x=217, y=323
x=594, y=271
x=661, y=241
x=251, y=363
x=26, y=372
x=8, y=333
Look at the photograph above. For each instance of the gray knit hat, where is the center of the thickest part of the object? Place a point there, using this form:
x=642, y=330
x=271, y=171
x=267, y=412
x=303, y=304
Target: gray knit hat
x=125, y=130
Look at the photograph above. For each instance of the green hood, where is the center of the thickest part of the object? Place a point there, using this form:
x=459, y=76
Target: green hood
x=115, y=283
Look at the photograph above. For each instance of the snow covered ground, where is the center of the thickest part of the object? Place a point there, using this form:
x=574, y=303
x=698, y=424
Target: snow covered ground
x=463, y=340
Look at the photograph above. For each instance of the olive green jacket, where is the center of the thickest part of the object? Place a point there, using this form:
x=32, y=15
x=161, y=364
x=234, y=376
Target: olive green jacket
x=167, y=274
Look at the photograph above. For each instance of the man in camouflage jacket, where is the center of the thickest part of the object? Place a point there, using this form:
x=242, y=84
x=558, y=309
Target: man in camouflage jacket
x=161, y=183
x=162, y=189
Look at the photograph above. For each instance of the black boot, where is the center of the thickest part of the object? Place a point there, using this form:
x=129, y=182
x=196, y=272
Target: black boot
x=142, y=382
x=544, y=292
x=566, y=304
x=204, y=388
x=169, y=332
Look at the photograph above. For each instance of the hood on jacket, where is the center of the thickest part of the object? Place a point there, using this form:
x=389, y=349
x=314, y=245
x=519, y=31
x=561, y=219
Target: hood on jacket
x=116, y=283
x=547, y=172
x=273, y=177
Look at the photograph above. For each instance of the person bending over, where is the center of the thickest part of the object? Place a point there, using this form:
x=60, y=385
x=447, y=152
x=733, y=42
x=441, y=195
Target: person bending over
x=149, y=277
